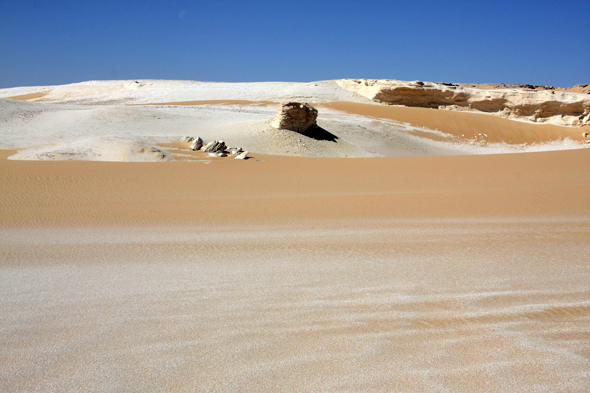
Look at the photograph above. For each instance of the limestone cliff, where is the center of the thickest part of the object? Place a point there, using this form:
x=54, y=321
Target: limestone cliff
x=543, y=105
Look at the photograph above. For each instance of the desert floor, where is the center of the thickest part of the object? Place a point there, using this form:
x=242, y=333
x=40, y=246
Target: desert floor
x=448, y=272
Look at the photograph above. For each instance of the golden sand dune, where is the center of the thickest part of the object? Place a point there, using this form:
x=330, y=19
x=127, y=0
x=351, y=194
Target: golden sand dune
x=464, y=273
x=277, y=189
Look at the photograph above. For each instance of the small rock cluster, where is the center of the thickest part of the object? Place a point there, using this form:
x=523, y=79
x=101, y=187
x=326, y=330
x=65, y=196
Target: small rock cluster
x=215, y=148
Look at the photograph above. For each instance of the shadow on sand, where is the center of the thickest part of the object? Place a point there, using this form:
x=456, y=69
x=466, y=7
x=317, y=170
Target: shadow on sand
x=320, y=134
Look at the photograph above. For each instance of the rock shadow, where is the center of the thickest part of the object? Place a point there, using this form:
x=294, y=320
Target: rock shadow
x=320, y=134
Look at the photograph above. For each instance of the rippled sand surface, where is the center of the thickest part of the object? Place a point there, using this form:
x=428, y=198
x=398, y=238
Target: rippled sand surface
x=414, y=305
x=426, y=274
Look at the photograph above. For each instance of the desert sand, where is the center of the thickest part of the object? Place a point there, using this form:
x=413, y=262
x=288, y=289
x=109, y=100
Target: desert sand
x=428, y=262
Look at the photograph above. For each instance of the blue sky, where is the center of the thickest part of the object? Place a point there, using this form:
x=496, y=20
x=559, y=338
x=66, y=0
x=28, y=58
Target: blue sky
x=47, y=42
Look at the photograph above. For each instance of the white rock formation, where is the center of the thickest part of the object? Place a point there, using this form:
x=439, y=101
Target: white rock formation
x=562, y=108
x=197, y=144
x=215, y=147
x=295, y=116
x=242, y=156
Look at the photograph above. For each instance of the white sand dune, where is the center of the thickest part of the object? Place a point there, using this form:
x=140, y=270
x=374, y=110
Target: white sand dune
x=100, y=120
x=150, y=91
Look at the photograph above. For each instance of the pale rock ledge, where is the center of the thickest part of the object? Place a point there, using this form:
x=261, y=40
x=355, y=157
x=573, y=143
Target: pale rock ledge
x=540, y=106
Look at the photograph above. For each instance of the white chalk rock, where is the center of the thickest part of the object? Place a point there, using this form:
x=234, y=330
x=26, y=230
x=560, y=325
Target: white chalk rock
x=187, y=139
x=197, y=144
x=242, y=156
x=215, y=147
x=295, y=116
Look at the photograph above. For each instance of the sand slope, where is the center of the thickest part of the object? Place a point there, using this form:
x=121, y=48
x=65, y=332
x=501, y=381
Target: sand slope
x=287, y=273
x=274, y=189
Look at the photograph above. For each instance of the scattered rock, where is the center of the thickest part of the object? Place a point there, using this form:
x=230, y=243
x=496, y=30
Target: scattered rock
x=215, y=147
x=188, y=139
x=295, y=116
x=242, y=156
x=197, y=144
x=586, y=134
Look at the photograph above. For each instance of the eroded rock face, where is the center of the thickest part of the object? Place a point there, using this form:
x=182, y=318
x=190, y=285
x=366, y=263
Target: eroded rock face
x=295, y=116
x=521, y=103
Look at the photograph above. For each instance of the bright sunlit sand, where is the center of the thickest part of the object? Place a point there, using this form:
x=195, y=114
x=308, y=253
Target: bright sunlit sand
x=396, y=249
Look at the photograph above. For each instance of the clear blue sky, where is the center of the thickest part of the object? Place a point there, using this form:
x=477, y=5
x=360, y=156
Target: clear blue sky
x=47, y=42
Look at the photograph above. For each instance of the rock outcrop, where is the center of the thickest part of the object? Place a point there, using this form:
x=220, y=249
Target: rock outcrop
x=215, y=147
x=197, y=144
x=539, y=106
x=295, y=116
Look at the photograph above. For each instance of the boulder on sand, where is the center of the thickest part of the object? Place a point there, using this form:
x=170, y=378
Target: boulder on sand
x=215, y=147
x=197, y=144
x=295, y=116
x=242, y=156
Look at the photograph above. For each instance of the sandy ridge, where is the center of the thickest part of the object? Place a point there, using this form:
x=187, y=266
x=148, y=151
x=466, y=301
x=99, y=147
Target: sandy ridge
x=274, y=189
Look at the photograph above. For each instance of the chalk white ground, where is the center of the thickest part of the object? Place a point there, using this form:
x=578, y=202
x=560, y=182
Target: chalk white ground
x=95, y=121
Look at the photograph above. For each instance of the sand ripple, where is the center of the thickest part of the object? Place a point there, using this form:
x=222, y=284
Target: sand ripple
x=412, y=305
